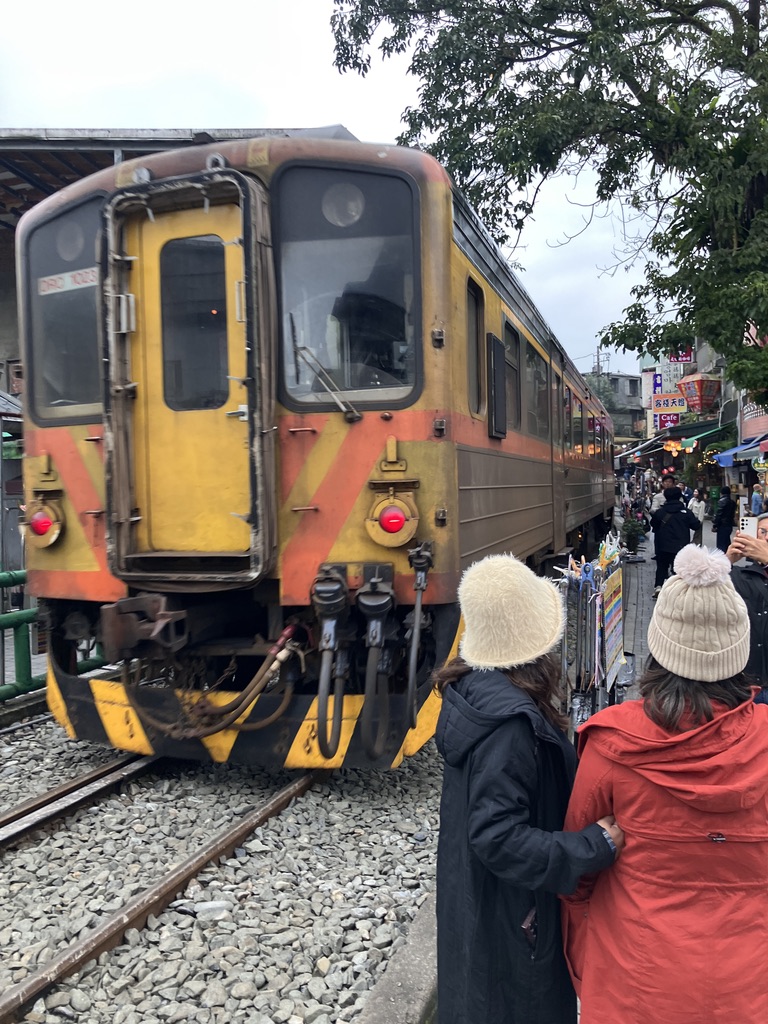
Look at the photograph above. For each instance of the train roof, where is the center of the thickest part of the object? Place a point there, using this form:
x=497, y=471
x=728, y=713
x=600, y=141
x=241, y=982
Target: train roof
x=36, y=164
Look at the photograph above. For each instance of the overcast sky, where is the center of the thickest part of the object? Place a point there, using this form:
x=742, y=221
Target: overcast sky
x=269, y=64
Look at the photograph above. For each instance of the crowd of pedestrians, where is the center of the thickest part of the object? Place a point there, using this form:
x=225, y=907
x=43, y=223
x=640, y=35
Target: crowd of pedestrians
x=637, y=881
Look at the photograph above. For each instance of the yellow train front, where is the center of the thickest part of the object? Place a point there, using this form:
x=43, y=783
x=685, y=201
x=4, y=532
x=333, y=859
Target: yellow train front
x=279, y=393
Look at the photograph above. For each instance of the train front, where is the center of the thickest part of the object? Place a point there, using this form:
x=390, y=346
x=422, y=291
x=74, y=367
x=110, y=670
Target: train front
x=234, y=478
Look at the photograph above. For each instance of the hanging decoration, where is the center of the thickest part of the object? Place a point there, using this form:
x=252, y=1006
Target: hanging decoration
x=701, y=390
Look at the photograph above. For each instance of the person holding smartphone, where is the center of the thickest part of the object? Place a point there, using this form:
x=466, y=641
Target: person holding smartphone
x=502, y=853
x=751, y=582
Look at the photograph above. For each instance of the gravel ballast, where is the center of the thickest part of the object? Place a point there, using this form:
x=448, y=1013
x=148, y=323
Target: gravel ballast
x=298, y=925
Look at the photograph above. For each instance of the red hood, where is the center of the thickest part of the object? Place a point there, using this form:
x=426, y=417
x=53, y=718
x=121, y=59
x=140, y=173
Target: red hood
x=718, y=766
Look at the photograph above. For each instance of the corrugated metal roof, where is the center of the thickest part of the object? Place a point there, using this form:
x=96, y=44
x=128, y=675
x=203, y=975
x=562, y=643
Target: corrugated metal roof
x=36, y=162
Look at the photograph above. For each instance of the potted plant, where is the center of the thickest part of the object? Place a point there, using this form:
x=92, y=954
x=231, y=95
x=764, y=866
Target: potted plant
x=631, y=532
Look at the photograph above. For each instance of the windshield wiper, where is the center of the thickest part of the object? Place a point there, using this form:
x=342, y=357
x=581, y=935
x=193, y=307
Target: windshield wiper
x=326, y=381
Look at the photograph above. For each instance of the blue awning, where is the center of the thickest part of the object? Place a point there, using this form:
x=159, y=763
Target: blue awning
x=746, y=450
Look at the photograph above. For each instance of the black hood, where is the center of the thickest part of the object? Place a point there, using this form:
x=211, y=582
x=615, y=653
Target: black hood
x=476, y=705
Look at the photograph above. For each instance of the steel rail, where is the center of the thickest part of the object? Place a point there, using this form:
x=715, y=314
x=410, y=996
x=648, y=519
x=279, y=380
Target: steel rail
x=39, y=810
x=15, y=1000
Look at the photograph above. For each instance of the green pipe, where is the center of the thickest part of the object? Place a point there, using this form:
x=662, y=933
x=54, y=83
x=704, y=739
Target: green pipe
x=32, y=683
x=10, y=620
x=13, y=578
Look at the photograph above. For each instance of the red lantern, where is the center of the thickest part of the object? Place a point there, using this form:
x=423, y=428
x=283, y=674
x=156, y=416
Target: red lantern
x=700, y=390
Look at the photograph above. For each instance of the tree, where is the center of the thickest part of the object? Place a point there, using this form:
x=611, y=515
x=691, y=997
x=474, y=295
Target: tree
x=664, y=100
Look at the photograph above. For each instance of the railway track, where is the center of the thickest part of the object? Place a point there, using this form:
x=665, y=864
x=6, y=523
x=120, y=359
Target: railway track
x=26, y=817
x=15, y=1001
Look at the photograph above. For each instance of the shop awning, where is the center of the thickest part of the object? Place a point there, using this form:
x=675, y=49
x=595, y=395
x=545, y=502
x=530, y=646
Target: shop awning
x=687, y=442
x=642, y=447
x=746, y=450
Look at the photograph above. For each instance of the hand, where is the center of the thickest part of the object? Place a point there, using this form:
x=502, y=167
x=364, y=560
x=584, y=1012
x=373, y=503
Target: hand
x=744, y=546
x=614, y=831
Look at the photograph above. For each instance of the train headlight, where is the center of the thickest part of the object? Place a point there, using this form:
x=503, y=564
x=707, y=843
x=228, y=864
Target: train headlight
x=343, y=204
x=393, y=519
x=44, y=524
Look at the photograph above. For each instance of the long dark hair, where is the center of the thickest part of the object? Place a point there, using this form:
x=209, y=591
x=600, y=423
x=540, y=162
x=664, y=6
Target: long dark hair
x=540, y=680
x=668, y=699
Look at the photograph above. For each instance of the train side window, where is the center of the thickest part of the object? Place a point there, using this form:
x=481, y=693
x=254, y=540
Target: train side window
x=194, y=318
x=557, y=408
x=536, y=393
x=475, y=338
x=497, y=394
x=592, y=429
x=512, y=360
x=568, y=425
x=578, y=426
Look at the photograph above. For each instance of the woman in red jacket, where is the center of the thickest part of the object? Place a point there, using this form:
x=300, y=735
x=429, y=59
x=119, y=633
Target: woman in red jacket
x=677, y=931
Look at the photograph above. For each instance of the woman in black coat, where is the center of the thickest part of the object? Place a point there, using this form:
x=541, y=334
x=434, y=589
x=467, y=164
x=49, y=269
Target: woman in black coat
x=509, y=767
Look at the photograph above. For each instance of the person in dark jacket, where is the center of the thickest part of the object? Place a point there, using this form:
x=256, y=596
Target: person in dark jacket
x=509, y=767
x=722, y=521
x=672, y=526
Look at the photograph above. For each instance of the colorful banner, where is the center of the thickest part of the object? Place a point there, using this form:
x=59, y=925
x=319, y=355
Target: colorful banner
x=612, y=626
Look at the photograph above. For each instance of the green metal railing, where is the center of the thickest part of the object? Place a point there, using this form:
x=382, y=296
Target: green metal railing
x=19, y=621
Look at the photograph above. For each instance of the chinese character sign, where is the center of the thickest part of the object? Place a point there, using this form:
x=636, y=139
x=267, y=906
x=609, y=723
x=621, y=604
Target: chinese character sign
x=673, y=402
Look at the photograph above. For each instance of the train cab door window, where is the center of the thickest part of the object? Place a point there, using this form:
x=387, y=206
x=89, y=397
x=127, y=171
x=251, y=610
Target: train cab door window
x=512, y=358
x=536, y=393
x=475, y=335
x=592, y=428
x=567, y=419
x=557, y=408
x=578, y=426
x=194, y=323
x=349, y=292
x=497, y=399
x=60, y=267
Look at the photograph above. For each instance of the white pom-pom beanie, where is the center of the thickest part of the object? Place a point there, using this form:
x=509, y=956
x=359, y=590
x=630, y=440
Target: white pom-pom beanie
x=511, y=616
x=700, y=626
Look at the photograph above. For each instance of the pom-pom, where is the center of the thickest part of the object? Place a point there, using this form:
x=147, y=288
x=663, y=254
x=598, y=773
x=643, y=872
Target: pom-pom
x=702, y=567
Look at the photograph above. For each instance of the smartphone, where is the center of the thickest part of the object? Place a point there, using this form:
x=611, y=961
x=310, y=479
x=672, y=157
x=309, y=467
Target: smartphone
x=530, y=927
x=748, y=525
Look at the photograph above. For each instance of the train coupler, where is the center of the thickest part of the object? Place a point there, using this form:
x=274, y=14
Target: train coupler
x=142, y=627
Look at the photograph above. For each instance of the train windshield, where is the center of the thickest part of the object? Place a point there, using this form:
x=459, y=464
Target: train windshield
x=348, y=286
x=62, y=319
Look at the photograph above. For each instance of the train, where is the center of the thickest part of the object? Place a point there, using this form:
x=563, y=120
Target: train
x=279, y=393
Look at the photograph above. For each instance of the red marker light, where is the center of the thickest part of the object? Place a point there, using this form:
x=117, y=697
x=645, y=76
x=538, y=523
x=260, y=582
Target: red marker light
x=40, y=523
x=392, y=519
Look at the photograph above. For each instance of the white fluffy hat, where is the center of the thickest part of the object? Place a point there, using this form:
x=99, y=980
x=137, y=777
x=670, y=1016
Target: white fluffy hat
x=700, y=626
x=511, y=616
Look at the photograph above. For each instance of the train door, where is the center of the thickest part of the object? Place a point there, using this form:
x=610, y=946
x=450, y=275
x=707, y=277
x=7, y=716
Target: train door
x=191, y=465
x=558, y=463
x=190, y=434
